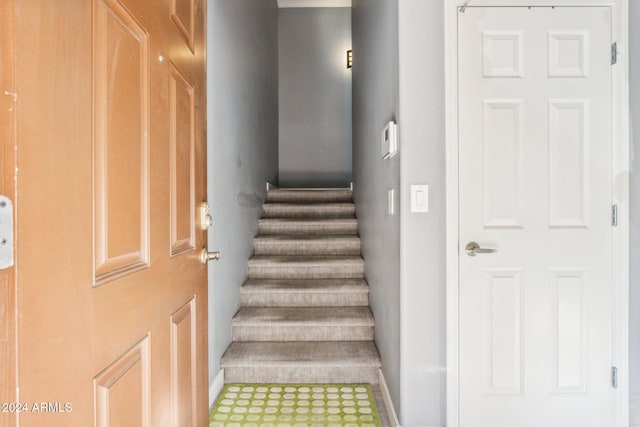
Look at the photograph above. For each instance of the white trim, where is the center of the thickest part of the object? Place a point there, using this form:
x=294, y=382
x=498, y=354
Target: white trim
x=314, y=3
x=620, y=140
x=388, y=403
x=270, y=186
x=621, y=158
x=215, y=388
x=451, y=226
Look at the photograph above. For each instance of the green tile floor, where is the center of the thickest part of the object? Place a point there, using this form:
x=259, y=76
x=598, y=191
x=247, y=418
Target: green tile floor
x=295, y=405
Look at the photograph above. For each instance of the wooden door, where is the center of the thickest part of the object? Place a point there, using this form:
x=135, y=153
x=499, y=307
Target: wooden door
x=8, y=315
x=536, y=188
x=112, y=297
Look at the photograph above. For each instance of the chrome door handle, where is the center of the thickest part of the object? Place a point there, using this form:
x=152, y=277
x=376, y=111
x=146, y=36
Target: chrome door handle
x=206, y=256
x=472, y=249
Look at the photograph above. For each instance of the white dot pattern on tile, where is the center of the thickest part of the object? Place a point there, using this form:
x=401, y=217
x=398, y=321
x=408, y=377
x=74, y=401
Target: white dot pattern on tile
x=243, y=405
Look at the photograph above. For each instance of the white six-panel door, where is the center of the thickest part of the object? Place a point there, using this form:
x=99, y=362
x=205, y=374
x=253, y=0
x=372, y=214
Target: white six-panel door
x=535, y=322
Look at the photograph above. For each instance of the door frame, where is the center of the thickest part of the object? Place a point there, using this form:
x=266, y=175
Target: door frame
x=620, y=194
x=8, y=161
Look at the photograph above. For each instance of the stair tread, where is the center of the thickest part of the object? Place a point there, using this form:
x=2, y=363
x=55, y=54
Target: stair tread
x=307, y=244
x=306, y=267
x=305, y=239
x=309, y=316
x=310, y=195
x=304, y=260
x=320, y=353
x=304, y=286
x=309, y=220
x=273, y=209
x=304, y=293
x=316, y=226
x=319, y=205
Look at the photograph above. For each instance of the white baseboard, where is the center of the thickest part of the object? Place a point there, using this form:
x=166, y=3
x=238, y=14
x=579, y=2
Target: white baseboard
x=215, y=388
x=388, y=403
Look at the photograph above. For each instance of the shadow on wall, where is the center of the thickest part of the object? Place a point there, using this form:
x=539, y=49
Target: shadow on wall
x=250, y=200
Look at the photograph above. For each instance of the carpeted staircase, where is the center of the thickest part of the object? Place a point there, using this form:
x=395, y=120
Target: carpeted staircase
x=304, y=315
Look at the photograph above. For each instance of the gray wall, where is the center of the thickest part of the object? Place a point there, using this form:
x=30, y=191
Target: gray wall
x=399, y=71
x=399, y=46
x=242, y=148
x=315, y=97
x=422, y=130
x=634, y=327
x=375, y=102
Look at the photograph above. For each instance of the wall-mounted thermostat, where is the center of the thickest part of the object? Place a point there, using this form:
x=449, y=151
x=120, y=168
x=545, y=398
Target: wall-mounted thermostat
x=389, y=140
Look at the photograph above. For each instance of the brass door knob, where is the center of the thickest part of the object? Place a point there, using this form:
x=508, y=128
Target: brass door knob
x=206, y=256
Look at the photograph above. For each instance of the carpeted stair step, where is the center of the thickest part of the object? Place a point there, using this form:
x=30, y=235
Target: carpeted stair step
x=301, y=362
x=306, y=267
x=303, y=324
x=317, y=210
x=304, y=315
x=304, y=293
x=310, y=196
x=306, y=245
x=308, y=226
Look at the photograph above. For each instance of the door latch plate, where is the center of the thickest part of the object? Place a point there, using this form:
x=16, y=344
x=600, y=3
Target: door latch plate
x=6, y=232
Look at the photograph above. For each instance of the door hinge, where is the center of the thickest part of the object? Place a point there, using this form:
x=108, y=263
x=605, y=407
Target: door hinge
x=614, y=53
x=614, y=215
x=614, y=377
x=6, y=232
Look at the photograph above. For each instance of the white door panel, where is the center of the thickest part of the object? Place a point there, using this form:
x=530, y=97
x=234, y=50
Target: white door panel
x=535, y=184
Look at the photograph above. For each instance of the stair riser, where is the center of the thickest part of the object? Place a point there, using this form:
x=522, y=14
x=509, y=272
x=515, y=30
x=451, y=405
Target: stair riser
x=301, y=375
x=308, y=229
x=329, y=272
x=303, y=333
x=308, y=212
x=282, y=299
x=306, y=248
x=306, y=197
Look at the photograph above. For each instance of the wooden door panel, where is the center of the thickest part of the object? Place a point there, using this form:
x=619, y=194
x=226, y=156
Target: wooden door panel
x=122, y=390
x=112, y=143
x=121, y=141
x=182, y=158
x=183, y=365
x=183, y=16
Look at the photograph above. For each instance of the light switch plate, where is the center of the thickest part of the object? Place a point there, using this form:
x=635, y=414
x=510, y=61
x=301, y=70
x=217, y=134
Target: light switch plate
x=391, y=201
x=420, y=198
x=389, y=140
